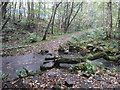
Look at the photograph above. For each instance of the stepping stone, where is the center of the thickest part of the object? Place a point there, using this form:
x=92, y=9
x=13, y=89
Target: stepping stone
x=69, y=83
x=66, y=52
x=48, y=57
x=98, y=78
x=47, y=66
x=66, y=65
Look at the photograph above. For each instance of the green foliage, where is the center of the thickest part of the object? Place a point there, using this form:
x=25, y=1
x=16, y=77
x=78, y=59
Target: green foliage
x=86, y=67
x=116, y=34
x=4, y=46
x=55, y=30
x=32, y=37
x=23, y=23
x=57, y=87
x=61, y=48
x=24, y=72
x=21, y=73
x=73, y=41
x=9, y=28
x=75, y=38
x=117, y=69
x=3, y=77
x=111, y=58
x=96, y=55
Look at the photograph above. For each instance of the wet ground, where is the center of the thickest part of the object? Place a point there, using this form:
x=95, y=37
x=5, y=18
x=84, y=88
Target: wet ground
x=54, y=76
x=12, y=63
x=32, y=62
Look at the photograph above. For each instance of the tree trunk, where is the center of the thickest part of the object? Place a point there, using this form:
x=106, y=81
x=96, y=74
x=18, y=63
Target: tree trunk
x=14, y=14
x=53, y=14
x=109, y=5
x=39, y=10
x=119, y=17
x=53, y=19
x=44, y=37
x=20, y=14
x=28, y=4
x=3, y=26
x=32, y=11
x=3, y=9
x=69, y=18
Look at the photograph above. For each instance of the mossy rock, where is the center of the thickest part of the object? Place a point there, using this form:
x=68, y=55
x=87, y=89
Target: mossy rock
x=56, y=87
x=43, y=52
x=61, y=49
x=73, y=48
x=111, y=58
x=86, y=67
x=77, y=67
x=90, y=47
x=96, y=56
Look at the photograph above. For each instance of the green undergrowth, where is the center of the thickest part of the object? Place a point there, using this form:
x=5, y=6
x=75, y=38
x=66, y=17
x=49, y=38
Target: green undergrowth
x=86, y=67
x=89, y=68
x=50, y=38
x=93, y=45
x=94, y=42
x=24, y=73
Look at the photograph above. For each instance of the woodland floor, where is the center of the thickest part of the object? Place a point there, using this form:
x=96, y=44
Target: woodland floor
x=62, y=77
x=51, y=45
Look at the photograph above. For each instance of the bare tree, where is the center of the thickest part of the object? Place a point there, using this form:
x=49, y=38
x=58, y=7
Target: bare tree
x=69, y=18
x=109, y=19
x=53, y=15
x=20, y=14
x=32, y=11
x=3, y=9
x=119, y=17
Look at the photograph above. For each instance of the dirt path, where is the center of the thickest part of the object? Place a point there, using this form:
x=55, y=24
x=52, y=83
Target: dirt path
x=52, y=46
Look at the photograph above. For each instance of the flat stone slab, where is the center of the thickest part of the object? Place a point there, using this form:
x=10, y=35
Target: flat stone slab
x=49, y=57
x=66, y=65
x=107, y=63
x=48, y=65
x=31, y=62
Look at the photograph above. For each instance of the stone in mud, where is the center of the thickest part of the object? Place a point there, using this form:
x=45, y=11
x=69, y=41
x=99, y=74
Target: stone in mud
x=48, y=57
x=74, y=49
x=98, y=78
x=47, y=66
x=51, y=54
x=90, y=47
x=104, y=63
x=66, y=65
x=69, y=83
x=43, y=52
x=86, y=75
x=56, y=87
x=46, y=62
x=66, y=52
